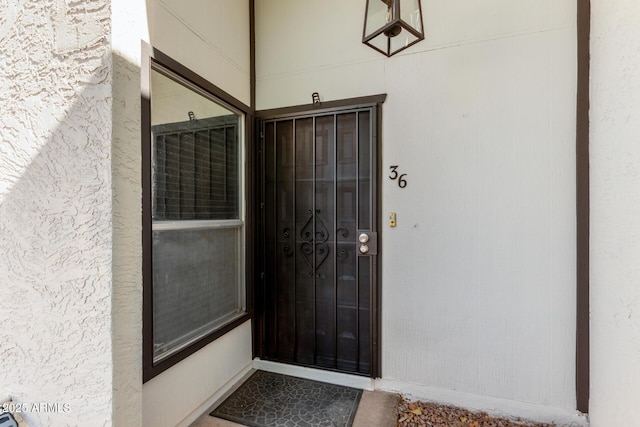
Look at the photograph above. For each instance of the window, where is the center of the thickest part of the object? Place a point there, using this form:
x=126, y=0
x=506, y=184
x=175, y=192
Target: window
x=194, y=218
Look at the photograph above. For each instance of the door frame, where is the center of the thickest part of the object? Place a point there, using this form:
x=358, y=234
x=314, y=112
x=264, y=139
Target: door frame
x=375, y=102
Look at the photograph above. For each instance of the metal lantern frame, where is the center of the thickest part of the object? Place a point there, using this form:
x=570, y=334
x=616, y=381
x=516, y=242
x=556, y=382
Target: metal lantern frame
x=394, y=23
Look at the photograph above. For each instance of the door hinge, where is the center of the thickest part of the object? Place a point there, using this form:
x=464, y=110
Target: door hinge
x=262, y=276
x=261, y=135
x=262, y=205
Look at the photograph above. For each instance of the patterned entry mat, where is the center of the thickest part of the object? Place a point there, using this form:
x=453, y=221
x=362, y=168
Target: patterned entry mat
x=267, y=399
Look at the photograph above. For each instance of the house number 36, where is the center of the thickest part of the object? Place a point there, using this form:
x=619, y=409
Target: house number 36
x=400, y=177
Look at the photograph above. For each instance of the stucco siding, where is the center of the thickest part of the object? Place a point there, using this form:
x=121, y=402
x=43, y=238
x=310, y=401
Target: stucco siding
x=56, y=209
x=129, y=26
x=70, y=192
x=615, y=212
x=478, y=277
x=478, y=296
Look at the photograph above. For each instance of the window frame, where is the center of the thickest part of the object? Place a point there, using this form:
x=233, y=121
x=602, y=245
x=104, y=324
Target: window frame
x=154, y=59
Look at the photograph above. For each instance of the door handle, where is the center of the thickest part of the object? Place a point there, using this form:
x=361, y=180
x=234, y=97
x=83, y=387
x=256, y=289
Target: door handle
x=367, y=242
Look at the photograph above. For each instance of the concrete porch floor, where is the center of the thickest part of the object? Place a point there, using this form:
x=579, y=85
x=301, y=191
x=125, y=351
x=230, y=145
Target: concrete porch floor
x=376, y=409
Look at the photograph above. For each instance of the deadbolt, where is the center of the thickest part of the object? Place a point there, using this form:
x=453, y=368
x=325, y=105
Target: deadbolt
x=367, y=242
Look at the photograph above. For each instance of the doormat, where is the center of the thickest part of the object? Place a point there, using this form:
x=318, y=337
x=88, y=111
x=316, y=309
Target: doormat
x=273, y=400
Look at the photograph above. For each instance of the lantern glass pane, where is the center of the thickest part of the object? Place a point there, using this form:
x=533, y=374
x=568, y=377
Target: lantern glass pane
x=377, y=16
x=380, y=42
x=410, y=13
x=402, y=40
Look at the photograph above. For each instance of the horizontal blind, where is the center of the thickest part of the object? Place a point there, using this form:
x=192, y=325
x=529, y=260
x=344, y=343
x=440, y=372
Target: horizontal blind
x=196, y=170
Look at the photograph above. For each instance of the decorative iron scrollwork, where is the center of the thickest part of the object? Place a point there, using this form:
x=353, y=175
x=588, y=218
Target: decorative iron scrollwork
x=344, y=232
x=306, y=233
x=314, y=241
x=322, y=253
x=306, y=249
x=286, y=233
x=322, y=234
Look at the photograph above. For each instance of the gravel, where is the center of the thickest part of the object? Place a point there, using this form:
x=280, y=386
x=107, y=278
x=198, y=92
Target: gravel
x=424, y=414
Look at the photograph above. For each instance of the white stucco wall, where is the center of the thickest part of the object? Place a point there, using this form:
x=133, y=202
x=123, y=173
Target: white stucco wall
x=478, y=283
x=56, y=209
x=481, y=117
x=129, y=26
x=70, y=190
x=615, y=212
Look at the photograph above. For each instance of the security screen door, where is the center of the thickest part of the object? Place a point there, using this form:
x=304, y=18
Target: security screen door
x=320, y=240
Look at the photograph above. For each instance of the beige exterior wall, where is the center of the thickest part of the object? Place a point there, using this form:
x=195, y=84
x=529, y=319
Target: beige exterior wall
x=187, y=390
x=70, y=191
x=56, y=210
x=129, y=27
x=478, y=278
x=480, y=115
x=615, y=212
x=209, y=37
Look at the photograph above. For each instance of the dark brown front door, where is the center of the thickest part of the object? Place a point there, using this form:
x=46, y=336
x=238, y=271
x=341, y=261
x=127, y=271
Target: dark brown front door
x=320, y=240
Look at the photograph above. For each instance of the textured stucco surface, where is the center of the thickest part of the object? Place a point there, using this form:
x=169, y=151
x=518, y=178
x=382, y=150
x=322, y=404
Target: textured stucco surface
x=129, y=26
x=127, y=250
x=56, y=209
x=615, y=212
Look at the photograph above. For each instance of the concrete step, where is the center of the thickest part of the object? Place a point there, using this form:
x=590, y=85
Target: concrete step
x=377, y=409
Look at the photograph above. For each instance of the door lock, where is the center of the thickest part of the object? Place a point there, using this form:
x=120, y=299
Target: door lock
x=367, y=242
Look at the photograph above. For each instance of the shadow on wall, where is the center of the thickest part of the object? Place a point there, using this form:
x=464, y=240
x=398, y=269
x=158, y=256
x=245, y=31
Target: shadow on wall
x=127, y=244
x=70, y=220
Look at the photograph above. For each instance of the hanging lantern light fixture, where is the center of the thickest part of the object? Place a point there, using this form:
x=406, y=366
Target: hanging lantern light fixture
x=392, y=25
